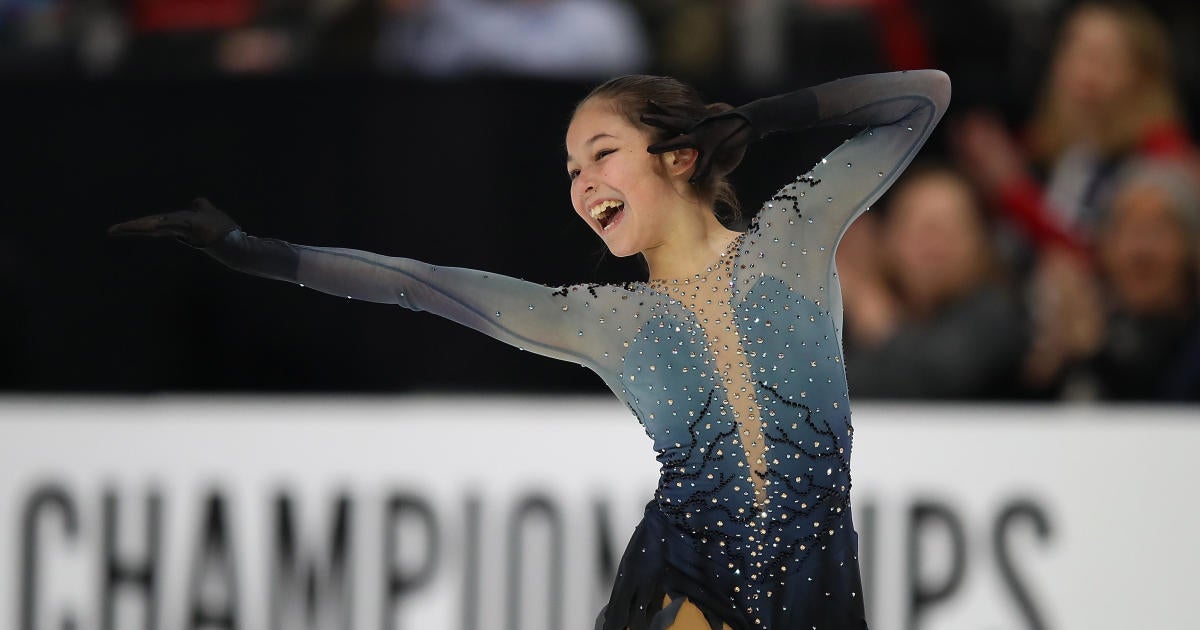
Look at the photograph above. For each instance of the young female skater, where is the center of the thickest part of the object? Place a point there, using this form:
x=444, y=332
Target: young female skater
x=729, y=356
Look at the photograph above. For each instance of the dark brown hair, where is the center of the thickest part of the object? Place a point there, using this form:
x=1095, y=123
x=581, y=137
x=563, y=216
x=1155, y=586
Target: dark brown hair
x=630, y=96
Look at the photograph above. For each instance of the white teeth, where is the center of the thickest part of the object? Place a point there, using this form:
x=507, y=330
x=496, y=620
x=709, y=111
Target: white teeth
x=603, y=206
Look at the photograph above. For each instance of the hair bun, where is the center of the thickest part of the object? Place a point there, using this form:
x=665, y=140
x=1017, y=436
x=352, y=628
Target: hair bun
x=725, y=159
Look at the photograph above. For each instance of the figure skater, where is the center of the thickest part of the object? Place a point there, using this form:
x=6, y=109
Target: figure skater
x=729, y=355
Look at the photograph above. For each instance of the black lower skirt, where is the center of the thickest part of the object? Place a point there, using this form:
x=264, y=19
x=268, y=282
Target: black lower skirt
x=660, y=561
x=663, y=561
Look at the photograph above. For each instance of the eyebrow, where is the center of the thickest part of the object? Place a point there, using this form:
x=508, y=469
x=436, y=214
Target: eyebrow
x=593, y=139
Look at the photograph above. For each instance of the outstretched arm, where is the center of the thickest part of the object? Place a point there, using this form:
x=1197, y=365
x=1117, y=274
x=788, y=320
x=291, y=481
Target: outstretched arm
x=551, y=322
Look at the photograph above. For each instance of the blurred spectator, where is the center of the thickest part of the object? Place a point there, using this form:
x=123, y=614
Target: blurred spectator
x=200, y=37
x=1137, y=334
x=690, y=38
x=1067, y=315
x=898, y=25
x=181, y=37
x=927, y=313
x=1109, y=94
x=546, y=38
x=35, y=35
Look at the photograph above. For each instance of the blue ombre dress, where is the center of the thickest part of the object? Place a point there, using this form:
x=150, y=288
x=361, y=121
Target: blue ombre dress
x=736, y=375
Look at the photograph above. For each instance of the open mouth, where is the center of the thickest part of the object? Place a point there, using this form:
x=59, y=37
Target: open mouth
x=607, y=212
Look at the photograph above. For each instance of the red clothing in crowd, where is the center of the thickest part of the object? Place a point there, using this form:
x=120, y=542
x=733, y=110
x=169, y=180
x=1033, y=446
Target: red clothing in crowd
x=1024, y=201
x=156, y=16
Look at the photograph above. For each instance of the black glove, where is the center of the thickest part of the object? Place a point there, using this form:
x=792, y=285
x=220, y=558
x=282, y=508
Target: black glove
x=722, y=137
x=202, y=226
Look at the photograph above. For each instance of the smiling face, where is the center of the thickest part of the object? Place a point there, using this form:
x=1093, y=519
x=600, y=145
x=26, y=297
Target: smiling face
x=1146, y=251
x=935, y=239
x=619, y=189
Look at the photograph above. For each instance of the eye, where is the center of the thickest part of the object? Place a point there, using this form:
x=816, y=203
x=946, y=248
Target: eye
x=573, y=173
x=603, y=152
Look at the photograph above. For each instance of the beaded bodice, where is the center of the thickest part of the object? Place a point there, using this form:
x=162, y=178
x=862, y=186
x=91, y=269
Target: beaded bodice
x=737, y=378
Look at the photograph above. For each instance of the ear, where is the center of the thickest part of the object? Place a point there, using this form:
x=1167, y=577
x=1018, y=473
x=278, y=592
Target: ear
x=680, y=161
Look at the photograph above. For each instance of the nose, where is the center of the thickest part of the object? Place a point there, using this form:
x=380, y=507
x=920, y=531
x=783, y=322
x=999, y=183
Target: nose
x=583, y=185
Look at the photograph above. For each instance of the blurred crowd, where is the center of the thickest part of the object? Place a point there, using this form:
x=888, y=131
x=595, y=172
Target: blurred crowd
x=1052, y=252
x=1057, y=258
x=758, y=43
x=140, y=38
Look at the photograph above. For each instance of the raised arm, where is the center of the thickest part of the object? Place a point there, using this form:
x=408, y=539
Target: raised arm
x=796, y=233
x=898, y=111
x=553, y=322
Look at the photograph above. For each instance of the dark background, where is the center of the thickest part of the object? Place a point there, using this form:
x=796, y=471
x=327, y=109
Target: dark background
x=457, y=174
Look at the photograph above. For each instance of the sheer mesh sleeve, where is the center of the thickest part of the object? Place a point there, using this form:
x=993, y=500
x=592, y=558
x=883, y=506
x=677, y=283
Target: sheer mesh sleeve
x=548, y=321
x=797, y=231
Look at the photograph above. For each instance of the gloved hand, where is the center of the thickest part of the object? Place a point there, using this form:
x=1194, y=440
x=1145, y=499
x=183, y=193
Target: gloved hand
x=721, y=138
x=202, y=226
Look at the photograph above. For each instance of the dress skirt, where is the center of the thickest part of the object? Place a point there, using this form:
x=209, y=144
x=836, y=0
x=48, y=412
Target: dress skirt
x=662, y=560
x=659, y=561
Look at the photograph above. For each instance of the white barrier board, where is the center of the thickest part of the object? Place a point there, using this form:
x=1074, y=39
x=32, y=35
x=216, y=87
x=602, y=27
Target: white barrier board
x=504, y=513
